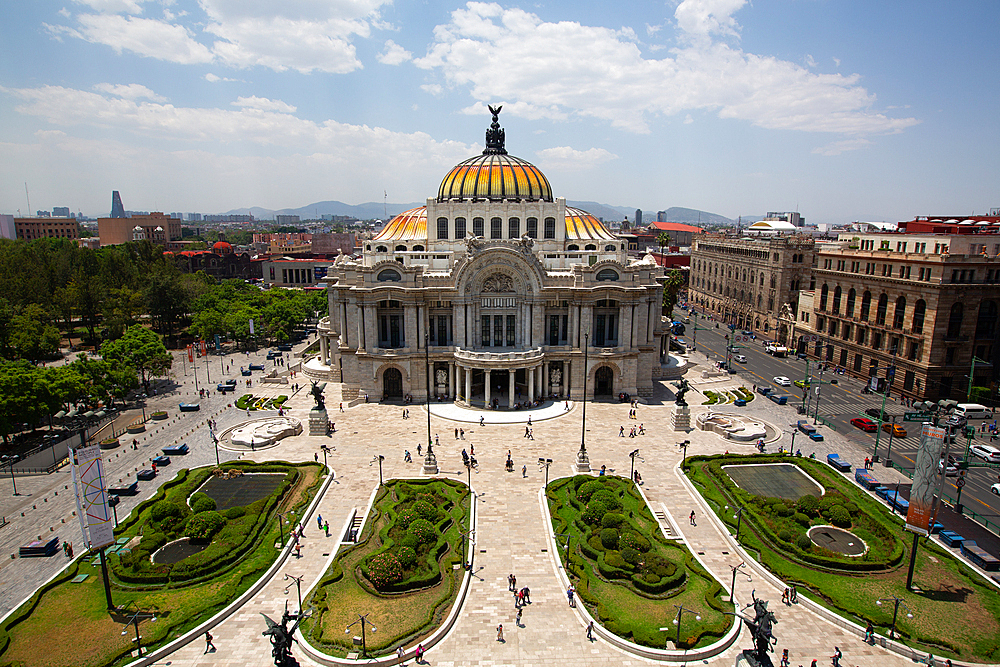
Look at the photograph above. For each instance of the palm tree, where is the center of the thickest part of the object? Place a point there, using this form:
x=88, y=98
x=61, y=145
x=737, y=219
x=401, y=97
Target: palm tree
x=663, y=240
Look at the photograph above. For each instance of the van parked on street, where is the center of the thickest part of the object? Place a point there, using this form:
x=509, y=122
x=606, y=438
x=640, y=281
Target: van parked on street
x=973, y=411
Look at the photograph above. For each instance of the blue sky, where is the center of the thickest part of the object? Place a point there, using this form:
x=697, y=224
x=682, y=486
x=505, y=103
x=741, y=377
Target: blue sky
x=842, y=110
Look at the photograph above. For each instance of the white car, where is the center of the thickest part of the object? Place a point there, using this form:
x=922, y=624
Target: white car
x=987, y=453
x=782, y=381
x=950, y=470
x=740, y=359
x=995, y=489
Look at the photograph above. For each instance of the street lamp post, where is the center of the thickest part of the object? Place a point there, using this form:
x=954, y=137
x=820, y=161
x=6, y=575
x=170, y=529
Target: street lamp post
x=215, y=441
x=281, y=527
x=896, y=601
x=427, y=368
x=325, y=449
x=677, y=621
x=298, y=588
x=13, y=481
x=791, y=449
x=632, y=455
x=377, y=459
x=466, y=535
x=583, y=434
x=735, y=569
x=819, y=388
x=684, y=446
x=138, y=616
x=545, y=463
x=363, y=620
x=739, y=520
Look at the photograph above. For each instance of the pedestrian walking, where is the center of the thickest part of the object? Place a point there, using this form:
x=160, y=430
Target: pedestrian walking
x=500, y=633
x=784, y=658
x=472, y=450
x=569, y=596
x=510, y=582
x=399, y=655
x=524, y=471
x=461, y=434
x=531, y=434
x=517, y=619
x=527, y=594
x=406, y=456
x=590, y=631
x=621, y=431
x=319, y=521
x=692, y=518
x=525, y=432
x=869, y=633
x=341, y=405
x=456, y=433
x=209, y=646
x=837, y=655
x=326, y=528
x=298, y=550
x=642, y=431
x=419, y=446
x=481, y=422
x=316, y=457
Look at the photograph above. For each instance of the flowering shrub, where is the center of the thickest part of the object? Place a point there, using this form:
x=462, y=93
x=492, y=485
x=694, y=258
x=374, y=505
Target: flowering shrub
x=384, y=569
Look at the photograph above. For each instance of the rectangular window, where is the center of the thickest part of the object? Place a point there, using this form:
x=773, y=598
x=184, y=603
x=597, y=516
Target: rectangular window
x=442, y=228
x=510, y=330
x=498, y=331
x=514, y=228
x=877, y=340
x=395, y=339
x=459, y=228
x=598, y=330
x=612, y=329
x=847, y=334
x=533, y=227
x=550, y=228
x=843, y=357
x=911, y=352
x=908, y=380
x=485, y=342
x=949, y=356
x=565, y=321
x=442, y=330
x=496, y=228
x=553, y=330
x=858, y=360
x=477, y=226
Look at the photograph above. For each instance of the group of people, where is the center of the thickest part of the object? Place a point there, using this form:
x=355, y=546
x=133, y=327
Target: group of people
x=790, y=595
x=634, y=431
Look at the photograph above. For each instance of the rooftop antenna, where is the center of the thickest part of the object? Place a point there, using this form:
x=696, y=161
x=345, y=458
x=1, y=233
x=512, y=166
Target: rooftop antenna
x=385, y=198
x=27, y=197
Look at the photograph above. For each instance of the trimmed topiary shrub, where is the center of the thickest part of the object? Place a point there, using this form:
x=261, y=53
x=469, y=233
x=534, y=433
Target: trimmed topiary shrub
x=587, y=489
x=804, y=543
x=384, y=569
x=202, y=503
x=839, y=516
x=809, y=505
x=633, y=540
x=612, y=520
x=424, y=531
x=164, y=509
x=781, y=509
x=407, y=556
x=595, y=512
x=234, y=513
x=609, y=538
x=785, y=535
x=801, y=518
x=202, y=526
x=406, y=517
x=609, y=499
x=614, y=559
x=425, y=510
x=630, y=556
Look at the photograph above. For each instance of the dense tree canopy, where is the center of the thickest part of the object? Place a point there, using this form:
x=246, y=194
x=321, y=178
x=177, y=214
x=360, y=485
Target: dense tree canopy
x=141, y=350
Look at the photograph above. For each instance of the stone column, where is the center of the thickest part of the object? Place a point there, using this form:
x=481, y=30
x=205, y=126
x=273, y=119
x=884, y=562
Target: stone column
x=323, y=344
x=573, y=336
x=371, y=328
x=567, y=367
x=468, y=385
x=545, y=379
x=360, y=316
x=531, y=383
x=510, y=387
x=486, y=390
x=625, y=326
x=451, y=380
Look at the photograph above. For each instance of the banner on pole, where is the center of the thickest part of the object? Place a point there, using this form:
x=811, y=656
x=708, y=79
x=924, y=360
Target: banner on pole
x=204, y=348
x=92, y=496
x=918, y=517
x=251, y=328
x=190, y=351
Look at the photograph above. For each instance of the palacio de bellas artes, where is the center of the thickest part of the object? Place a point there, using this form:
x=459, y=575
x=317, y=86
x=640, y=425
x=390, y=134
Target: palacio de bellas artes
x=501, y=290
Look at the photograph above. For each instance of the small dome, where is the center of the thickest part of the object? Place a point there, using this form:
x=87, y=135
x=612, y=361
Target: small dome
x=407, y=226
x=582, y=226
x=222, y=247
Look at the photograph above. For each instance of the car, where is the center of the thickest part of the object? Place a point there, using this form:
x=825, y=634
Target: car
x=739, y=358
x=987, y=453
x=747, y=332
x=802, y=355
x=864, y=424
x=801, y=384
x=895, y=429
x=995, y=489
x=782, y=381
x=273, y=354
x=740, y=402
x=950, y=470
x=231, y=382
x=874, y=413
x=285, y=347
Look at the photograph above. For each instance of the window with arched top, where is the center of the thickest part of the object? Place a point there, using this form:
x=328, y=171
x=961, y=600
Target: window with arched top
x=836, y=300
x=477, y=226
x=987, y=323
x=607, y=274
x=919, y=312
x=389, y=275
x=866, y=305
x=955, y=320
x=381, y=248
x=590, y=246
x=851, y=296
x=550, y=228
x=531, y=225
x=824, y=293
x=899, y=314
x=496, y=228
x=442, y=228
x=609, y=248
x=418, y=248
x=514, y=228
x=880, y=310
x=368, y=248
x=401, y=248
x=572, y=246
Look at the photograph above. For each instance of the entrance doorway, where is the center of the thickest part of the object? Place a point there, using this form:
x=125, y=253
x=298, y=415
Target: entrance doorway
x=392, y=383
x=603, y=381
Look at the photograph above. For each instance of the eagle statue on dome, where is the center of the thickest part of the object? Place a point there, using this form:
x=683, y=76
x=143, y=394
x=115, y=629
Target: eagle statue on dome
x=495, y=134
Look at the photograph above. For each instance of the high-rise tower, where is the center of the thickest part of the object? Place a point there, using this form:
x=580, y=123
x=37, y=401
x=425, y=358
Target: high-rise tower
x=117, y=210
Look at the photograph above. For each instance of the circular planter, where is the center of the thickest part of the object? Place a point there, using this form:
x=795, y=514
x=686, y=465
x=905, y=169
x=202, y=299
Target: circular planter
x=159, y=416
x=138, y=427
x=109, y=443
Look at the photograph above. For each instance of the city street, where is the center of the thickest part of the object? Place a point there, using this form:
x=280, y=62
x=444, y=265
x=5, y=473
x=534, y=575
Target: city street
x=841, y=402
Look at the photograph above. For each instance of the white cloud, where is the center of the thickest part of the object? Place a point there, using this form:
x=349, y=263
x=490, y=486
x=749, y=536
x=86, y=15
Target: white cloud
x=559, y=70
x=215, y=78
x=113, y=6
x=146, y=37
x=566, y=158
x=688, y=119
x=394, y=54
x=432, y=88
x=263, y=104
x=838, y=147
x=132, y=91
x=836, y=61
x=809, y=60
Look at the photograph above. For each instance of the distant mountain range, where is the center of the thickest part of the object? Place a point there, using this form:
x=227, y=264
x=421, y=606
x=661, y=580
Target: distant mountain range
x=378, y=210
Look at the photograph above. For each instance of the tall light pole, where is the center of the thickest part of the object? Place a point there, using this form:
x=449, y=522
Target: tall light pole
x=545, y=463
x=326, y=449
x=298, y=587
x=895, y=612
x=632, y=455
x=583, y=434
x=378, y=458
x=819, y=387
x=138, y=616
x=13, y=481
x=677, y=621
x=427, y=364
x=684, y=446
x=739, y=520
x=363, y=620
x=732, y=587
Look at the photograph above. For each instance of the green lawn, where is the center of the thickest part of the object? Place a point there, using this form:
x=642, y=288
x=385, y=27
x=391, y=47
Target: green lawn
x=409, y=607
x=67, y=625
x=955, y=614
x=629, y=575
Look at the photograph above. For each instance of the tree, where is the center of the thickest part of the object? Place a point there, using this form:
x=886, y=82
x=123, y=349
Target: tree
x=19, y=404
x=88, y=297
x=142, y=350
x=672, y=286
x=32, y=334
x=166, y=298
x=663, y=240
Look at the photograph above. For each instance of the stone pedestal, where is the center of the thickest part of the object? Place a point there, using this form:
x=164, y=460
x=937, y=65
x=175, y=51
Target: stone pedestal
x=680, y=418
x=430, y=464
x=582, y=462
x=318, y=421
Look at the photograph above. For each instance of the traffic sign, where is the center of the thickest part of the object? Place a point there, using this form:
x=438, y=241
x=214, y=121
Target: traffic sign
x=960, y=482
x=914, y=416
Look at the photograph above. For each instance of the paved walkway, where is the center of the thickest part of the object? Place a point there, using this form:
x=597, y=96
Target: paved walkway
x=510, y=536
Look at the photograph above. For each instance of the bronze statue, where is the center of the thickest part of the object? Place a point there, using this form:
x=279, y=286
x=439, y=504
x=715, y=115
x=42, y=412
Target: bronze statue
x=317, y=393
x=760, y=629
x=282, y=637
x=682, y=388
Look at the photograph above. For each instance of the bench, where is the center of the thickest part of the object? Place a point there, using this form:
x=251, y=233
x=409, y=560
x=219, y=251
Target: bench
x=39, y=549
x=175, y=450
x=951, y=538
x=838, y=463
x=128, y=490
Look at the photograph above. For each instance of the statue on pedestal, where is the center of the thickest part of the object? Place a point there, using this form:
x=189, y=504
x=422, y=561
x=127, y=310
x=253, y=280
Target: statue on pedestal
x=761, y=630
x=282, y=637
x=682, y=388
x=317, y=394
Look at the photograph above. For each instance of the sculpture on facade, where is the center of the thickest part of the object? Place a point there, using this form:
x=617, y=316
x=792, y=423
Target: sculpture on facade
x=473, y=244
x=527, y=243
x=498, y=282
x=555, y=377
x=281, y=638
x=682, y=388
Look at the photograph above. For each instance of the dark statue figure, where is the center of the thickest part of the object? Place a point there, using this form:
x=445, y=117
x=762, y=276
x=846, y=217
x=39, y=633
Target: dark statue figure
x=282, y=637
x=495, y=135
x=760, y=629
x=317, y=393
x=682, y=388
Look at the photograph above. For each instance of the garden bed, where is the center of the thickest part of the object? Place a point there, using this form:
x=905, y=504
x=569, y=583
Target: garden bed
x=251, y=402
x=405, y=569
x=181, y=594
x=954, y=613
x=625, y=571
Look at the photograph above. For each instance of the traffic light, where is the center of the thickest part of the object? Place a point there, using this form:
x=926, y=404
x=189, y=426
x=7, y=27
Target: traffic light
x=963, y=465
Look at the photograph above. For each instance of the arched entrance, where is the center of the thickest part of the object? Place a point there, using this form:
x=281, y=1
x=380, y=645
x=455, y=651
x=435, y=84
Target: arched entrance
x=604, y=380
x=392, y=383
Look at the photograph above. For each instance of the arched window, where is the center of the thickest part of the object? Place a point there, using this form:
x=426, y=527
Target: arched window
x=955, y=321
x=572, y=246
x=401, y=248
x=987, y=322
x=532, y=227
x=772, y=282
x=550, y=228
x=609, y=248
x=866, y=304
x=442, y=228
x=824, y=293
x=836, y=300
x=514, y=228
x=477, y=226
x=496, y=228
x=389, y=275
x=381, y=248
x=418, y=248
x=459, y=228
x=762, y=279
x=368, y=248
x=918, y=316
x=851, y=295
x=590, y=246
x=607, y=274
x=883, y=306
x=899, y=314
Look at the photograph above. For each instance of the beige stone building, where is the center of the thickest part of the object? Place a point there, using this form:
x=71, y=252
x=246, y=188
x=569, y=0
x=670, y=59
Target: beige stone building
x=29, y=229
x=498, y=290
x=747, y=281
x=156, y=227
x=924, y=304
